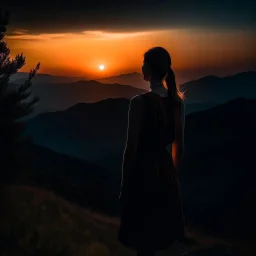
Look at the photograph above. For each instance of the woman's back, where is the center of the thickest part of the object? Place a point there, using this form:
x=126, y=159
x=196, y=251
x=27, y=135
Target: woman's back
x=152, y=210
x=158, y=128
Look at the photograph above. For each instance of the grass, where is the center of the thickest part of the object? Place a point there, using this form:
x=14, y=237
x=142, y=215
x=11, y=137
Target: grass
x=37, y=222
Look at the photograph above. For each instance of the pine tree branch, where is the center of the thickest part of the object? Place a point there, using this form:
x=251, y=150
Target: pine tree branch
x=14, y=106
x=11, y=67
x=4, y=53
x=15, y=103
x=28, y=82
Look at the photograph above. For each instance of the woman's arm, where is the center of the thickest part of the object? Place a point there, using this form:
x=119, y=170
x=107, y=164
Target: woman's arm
x=178, y=143
x=133, y=131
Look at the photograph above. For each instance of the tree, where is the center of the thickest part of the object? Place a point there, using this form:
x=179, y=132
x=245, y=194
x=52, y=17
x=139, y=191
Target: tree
x=16, y=102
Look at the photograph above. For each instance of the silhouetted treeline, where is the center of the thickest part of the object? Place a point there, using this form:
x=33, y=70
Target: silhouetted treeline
x=15, y=103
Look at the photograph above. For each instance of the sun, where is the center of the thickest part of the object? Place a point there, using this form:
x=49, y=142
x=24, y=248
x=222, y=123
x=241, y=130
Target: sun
x=101, y=67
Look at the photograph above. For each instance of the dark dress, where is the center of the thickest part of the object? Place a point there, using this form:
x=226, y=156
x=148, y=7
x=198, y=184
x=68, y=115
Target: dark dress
x=151, y=213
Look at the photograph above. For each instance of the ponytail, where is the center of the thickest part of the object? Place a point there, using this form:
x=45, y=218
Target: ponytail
x=159, y=61
x=173, y=91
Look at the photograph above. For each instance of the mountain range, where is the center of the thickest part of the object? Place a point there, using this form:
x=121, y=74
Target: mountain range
x=135, y=79
x=200, y=94
x=60, y=96
x=85, y=131
x=79, y=181
x=105, y=121
x=217, y=176
x=40, y=78
x=221, y=89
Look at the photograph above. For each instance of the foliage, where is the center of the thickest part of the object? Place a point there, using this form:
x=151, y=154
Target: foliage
x=16, y=102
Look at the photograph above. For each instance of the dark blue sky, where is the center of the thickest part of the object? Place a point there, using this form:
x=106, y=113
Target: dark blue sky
x=74, y=15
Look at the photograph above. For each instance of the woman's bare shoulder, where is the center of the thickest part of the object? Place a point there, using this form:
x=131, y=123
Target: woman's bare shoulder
x=136, y=103
x=138, y=100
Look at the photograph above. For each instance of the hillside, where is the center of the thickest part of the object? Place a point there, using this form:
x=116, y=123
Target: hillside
x=40, y=78
x=135, y=79
x=200, y=94
x=41, y=223
x=218, y=169
x=98, y=124
x=221, y=89
x=110, y=114
x=85, y=130
x=81, y=182
x=36, y=222
x=219, y=147
x=60, y=96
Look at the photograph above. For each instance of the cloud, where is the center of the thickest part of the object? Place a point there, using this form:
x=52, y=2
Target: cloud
x=40, y=37
x=20, y=31
x=94, y=35
x=103, y=35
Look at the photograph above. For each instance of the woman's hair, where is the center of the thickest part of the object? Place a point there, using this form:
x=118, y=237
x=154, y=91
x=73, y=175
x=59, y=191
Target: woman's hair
x=158, y=62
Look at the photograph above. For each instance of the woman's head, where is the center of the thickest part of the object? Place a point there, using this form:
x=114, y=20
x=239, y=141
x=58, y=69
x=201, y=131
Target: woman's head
x=157, y=67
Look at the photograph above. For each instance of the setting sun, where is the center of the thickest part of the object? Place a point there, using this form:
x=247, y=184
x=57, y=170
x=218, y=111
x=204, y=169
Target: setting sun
x=101, y=67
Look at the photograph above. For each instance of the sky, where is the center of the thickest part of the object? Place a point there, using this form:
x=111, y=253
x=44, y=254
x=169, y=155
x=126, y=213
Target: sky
x=74, y=37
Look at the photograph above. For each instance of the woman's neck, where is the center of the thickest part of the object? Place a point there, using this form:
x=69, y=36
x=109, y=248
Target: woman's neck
x=154, y=84
x=158, y=88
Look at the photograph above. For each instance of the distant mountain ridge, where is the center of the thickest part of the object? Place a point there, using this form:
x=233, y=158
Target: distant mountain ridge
x=218, y=167
x=218, y=176
x=132, y=74
x=249, y=75
x=81, y=182
x=135, y=79
x=60, y=96
x=20, y=77
x=98, y=124
x=221, y=89
x=202, y=93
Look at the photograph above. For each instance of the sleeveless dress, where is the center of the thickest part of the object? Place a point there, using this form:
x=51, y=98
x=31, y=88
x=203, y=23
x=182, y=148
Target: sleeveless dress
x=151, y=212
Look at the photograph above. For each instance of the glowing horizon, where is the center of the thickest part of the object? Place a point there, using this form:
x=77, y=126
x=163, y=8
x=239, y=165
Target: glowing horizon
x=77, y=54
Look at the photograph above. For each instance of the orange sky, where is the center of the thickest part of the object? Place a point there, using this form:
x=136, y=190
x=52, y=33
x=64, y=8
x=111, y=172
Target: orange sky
x=80, y=54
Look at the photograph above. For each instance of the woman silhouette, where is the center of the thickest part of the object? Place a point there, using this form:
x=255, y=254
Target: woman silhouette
x=151, y=217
